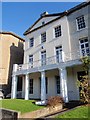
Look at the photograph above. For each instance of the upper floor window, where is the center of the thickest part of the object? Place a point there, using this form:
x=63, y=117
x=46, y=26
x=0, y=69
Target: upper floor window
x=31, y=86
x=43, y=58
x=31, y=60
x=31, y=42
x=80, y=22
x=84, y=47
x=59, y=54
x=57, y=31
x=43, y=37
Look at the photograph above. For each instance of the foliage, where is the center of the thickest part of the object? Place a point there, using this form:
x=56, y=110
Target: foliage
x=81, y=112
x=55, y=100
x=84, y=83
x=86, y=62
x=84, y=93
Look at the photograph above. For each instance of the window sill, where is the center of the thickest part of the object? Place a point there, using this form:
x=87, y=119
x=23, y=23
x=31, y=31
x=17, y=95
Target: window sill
x=56, y=38
x=29, y=48
x=82, y=29
x=41, y=44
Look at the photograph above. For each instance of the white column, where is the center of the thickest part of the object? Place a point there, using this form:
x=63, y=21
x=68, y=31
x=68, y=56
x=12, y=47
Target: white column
x=14, y=87
x=15, y=67
x=43, y=86
x=23, y=86
x=63, y=83
x=63, y=56
x=27, y=87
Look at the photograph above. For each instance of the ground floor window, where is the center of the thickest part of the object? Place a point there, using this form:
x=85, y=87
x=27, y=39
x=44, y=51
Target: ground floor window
x=57, y=84
x=19, y=84
x=31, y=86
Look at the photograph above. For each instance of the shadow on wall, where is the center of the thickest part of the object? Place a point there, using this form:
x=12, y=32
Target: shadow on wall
x=16, y=57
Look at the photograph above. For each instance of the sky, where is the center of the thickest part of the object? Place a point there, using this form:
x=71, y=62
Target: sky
x=17, y=17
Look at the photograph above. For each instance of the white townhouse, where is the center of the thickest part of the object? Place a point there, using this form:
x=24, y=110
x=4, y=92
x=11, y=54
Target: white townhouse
x=54, y=45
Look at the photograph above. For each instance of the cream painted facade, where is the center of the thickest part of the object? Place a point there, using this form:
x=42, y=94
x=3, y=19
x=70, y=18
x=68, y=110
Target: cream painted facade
x=11, y=52
x=61, y=70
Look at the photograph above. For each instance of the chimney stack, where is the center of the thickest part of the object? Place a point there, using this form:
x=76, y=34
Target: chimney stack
x=43, y=14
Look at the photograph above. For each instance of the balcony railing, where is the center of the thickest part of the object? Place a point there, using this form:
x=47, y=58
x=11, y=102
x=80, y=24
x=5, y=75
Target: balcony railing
x=51, y=60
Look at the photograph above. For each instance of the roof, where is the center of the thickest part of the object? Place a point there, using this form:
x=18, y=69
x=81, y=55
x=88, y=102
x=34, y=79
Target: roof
x=59, y=15
x=47, y=15
x=13, y=34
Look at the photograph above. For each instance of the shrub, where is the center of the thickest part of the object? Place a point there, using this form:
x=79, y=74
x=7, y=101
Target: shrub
x=55, y=100
x=84, y=83
x=84, y=89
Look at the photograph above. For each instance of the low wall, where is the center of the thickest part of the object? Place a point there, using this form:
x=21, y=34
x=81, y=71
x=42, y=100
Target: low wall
x=10, y=114
x=41, y=113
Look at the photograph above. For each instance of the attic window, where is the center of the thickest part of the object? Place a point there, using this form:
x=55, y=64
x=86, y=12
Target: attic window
x=43, y=22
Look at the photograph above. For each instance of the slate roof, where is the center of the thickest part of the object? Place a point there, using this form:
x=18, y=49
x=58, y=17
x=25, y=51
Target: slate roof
x=59, y=15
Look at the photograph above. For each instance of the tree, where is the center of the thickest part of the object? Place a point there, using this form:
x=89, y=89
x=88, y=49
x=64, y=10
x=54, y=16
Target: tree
x=84, y=83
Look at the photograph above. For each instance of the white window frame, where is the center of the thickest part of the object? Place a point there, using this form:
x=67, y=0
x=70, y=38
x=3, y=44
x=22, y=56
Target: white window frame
x=57, y=84
x=84, y=47
x=59, y=57
x=31, y=61
x=31, y=44
x=77, y=23
x=44, y=39
x=58, y=32
x=43, y=60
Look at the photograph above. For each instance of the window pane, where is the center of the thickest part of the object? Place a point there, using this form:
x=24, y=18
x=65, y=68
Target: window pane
x=30, y=61
x=81, y=22
x=58, y=84
x=84, y=47
x=87, y=51
x=31, y=42
x=43, y=37
x=81, y=41
x=43, y=58
x=58, y=31
x=86, y=40
x=31, y=86
x=83, y=52
x=58, y=54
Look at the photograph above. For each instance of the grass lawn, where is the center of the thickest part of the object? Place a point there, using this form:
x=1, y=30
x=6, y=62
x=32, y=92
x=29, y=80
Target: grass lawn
x=81, y=112
x=19, y=105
